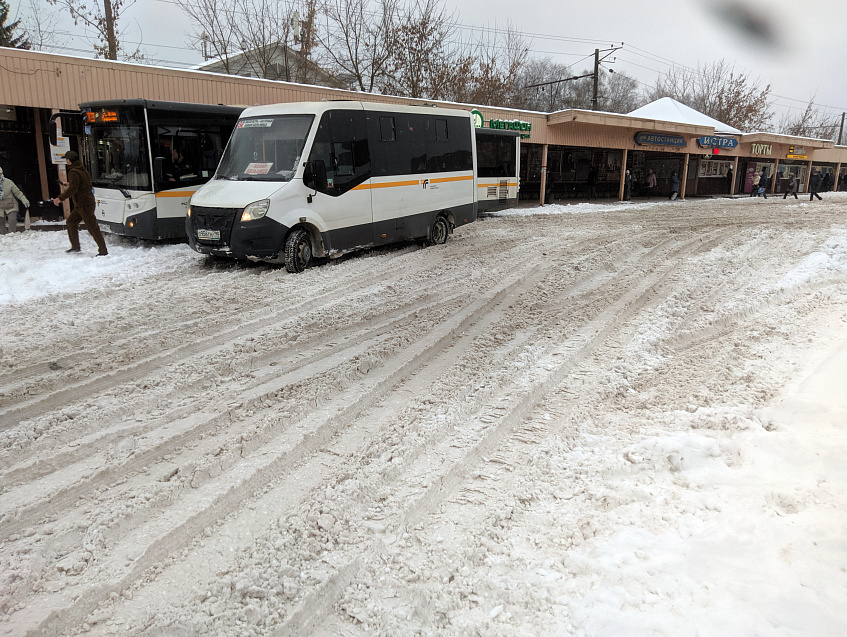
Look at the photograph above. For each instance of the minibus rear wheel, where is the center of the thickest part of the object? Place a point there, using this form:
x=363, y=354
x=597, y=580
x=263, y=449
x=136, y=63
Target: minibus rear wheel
x=298, y=251
x=438, y=231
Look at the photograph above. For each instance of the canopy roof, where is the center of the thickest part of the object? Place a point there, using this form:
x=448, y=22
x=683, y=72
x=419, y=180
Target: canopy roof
x=668, y=109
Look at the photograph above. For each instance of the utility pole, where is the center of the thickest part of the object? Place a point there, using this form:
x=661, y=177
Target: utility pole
x=841, y=130
x=596, y=78
x=597, y=60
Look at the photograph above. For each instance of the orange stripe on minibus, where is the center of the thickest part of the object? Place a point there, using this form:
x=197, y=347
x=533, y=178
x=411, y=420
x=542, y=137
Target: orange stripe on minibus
x=498, y=185
x=441, y=180
x=176, y=193
x=387, y=184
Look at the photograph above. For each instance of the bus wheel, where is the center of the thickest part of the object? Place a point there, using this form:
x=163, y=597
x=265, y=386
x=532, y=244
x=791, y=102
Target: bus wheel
x=439, y=231
x=298, y=251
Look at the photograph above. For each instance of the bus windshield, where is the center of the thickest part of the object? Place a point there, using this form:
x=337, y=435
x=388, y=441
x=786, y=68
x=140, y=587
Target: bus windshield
x=117, y=157
x=266, y=148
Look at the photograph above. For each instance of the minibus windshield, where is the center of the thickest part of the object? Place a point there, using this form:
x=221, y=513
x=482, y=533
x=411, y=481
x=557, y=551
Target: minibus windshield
x=266, y=148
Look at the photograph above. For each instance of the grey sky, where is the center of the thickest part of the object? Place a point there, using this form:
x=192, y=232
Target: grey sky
x=805, y=57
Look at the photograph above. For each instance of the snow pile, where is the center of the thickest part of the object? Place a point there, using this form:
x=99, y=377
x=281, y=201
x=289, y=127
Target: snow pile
x=34, y=264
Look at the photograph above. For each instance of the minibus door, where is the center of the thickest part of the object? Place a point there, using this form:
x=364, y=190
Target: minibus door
x=344, y=205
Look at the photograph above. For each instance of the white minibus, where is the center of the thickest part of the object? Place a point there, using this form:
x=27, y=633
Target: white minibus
x=310, y=180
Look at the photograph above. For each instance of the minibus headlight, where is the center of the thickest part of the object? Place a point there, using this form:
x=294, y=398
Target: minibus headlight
x=255, y=210
x=189, y=211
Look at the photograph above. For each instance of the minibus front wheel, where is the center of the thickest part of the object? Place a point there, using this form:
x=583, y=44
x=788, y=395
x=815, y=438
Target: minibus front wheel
x=298, y=251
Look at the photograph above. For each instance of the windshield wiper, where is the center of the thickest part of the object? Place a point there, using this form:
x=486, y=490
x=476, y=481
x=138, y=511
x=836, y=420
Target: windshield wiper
x=124, y=192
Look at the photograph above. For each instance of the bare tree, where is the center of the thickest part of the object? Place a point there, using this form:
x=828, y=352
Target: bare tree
x=491, y=68
x=102, y=17
x=357, y=39
x=719, y=91
x=40, y=26
x=812, y=122
x=421, y=51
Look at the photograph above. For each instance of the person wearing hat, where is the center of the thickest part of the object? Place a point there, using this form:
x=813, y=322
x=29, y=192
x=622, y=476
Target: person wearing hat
x=82, y=205
x=10, y=194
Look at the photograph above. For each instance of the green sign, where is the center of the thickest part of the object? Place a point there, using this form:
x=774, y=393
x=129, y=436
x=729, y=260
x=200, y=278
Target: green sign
x=478, y=119
x=512, y=124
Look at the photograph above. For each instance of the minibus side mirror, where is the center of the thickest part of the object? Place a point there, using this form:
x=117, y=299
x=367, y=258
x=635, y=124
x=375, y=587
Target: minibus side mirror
x=314, y=177
x=158, y=169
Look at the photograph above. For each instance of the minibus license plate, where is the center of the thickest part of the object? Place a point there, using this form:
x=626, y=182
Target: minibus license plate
x=209, y=234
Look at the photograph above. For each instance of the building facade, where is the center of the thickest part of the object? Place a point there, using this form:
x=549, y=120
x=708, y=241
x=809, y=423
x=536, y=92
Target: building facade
x=571, y=153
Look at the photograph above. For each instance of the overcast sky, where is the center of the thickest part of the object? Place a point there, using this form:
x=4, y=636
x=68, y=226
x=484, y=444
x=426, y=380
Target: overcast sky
x=797, y=47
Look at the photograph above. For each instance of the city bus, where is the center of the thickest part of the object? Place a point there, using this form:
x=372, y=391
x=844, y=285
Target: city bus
x=320, y=179
x=147, y=158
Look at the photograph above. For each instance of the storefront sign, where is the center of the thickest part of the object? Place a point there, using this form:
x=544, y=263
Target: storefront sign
x=761, y=149
x=478, y=118
x=796, y=152
x=657, y=139
x=514, y=124
x=713, y=141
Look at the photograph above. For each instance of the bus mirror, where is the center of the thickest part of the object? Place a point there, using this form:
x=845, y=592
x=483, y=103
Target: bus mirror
x=158, y=169
x=314, y=176
x=53, y=134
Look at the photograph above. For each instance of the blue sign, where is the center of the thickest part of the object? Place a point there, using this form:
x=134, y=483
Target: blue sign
x=658, y=139
x=713, y=141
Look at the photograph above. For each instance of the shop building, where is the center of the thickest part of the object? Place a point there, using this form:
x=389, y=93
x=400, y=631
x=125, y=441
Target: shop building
x=566, y=154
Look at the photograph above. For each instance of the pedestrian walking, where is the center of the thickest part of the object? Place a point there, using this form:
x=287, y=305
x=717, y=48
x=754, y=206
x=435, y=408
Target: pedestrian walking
x=10, y=195
x=815, y=186
x=754, y=190
x=81, y=194
x=593, y=173
x=763, y=184
x=792, y=186
x=627, y=186
x=651, y=183
x=674, y=185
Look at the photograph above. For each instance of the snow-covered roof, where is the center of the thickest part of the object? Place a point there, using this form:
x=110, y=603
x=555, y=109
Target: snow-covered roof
x=668, y=109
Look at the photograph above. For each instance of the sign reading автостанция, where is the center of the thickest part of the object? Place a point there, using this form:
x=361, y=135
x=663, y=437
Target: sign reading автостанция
x=658, y=139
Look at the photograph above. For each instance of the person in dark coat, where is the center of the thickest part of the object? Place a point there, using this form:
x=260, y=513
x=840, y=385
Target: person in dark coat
x=791, y=189
x=592, y=181
x=826, y=182
x=763, y=184
x=80, y=193
x=729, y=179
x=674, y=186
x=627, y=186
x=815, y=186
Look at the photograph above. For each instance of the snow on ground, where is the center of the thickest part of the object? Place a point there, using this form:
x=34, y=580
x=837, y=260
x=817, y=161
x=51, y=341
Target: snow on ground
x=34, y=264
x=672, y=459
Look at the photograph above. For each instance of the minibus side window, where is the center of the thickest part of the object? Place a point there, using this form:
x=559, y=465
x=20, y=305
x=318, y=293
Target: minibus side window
x=341, y=142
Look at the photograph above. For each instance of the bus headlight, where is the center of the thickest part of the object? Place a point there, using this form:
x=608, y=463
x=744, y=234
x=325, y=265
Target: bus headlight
x=256, y=210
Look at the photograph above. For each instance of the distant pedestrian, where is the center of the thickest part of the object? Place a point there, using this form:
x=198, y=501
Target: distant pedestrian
x=627, y=186
x=80, y=193
x=754, y=190
x=592, y=181
x=10, y=195
x=651, y=183
x=674, y=185
x=791, y=189
x=729, y=180
x=763, y=184
x=827, y=182
x=815, y=186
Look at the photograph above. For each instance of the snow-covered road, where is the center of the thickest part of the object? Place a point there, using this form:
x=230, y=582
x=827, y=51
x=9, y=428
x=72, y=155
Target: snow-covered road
x=591, y=420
